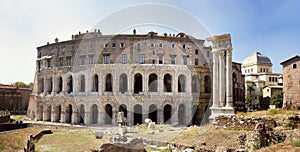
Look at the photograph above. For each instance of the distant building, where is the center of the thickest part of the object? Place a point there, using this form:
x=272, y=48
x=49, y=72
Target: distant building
x=14, y=99
x=238, y=81
x=291, y=82
x=257, y=69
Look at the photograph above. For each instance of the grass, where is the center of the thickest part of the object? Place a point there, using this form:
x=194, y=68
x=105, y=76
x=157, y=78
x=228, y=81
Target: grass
x=271, y=113
x=1, y=145
x=70, y=140
x=19, y=117
x=296, y=143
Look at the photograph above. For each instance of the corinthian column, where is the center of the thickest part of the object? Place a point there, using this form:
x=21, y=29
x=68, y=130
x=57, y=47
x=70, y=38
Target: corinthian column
x=229, y=102
x=221, y=79
x=215, y=80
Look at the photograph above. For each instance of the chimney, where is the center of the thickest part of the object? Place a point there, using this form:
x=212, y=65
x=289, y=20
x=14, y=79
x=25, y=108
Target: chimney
x=134, y=32
x=165, y=34
x=79, y=33
x=56, y=40
x=87, y=31
x=95, y=30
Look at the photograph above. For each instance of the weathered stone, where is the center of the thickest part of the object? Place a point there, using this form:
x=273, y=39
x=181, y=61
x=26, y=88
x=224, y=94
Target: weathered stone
x=136, y=145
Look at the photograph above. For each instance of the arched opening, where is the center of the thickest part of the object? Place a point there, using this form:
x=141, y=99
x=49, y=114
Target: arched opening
x=123, y=83
x=138, y=83
x=82, y=83
x=95, y=83
x=60, y=84
x=138, y=114
x=153, y=113
x=196, y=115
x=181, y=83
x=41, y=85
x=47, y=112
x=50, y=86
x=108, y=83
x=109, y=114
x=82, y=113
x=152, y=83
x=167, y=83
x=94, y=114
x=69, y=84
x=123, y=108
x=181, y=114
x=167, y=114
x=57, y=116
x=207, y=84
x=195, y=84
x=69, y=112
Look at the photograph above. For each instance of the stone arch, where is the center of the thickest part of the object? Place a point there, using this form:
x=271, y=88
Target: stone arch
x=82, y=113
x=57, y=115
x=196, y=120
x=123, y=83
x=207, y=84
x=152, y=83
x=123, y=108
x=138, y=114
x=167, y=83
x=138, y=83
x=108, y=83
x=195, y=84
x=69, y=84
x=181, y=83
x=153, y=113
x=109, y=114
x=60, y=84
x=69, y=113
x=82, y=83
x=94, y=114
x=47, y=113
x=181, y=114
x=167, y=113
x=50, y=85
x=95, y=83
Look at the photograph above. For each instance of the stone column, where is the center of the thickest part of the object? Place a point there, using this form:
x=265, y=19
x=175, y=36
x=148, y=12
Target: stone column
x=53, y=91
x=87, y=119
x=45, y=84
x=221, y=79
x=229, y=102
x=160, y=117
x=63, y=114
x=215, y=81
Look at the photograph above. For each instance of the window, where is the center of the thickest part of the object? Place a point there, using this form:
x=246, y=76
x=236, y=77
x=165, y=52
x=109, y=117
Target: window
x=91, y=59
x=92, y=46
x=39, y=55
x=48, y=62
x=273, y=79
x=207, y=53
x=251, y=70
x=160, y=45
x=153, y=61
x=106, y=59
x=183, y=46
x=173, y=45
x=196, y=51
x=184, y=60
x=260, y=69
x=124, y=58
x=152, y=45
x=122, y=45
x=78, y=47
x=196, y=61
x=245, y=71
x=267, y=70
x=106, y=45
x=294, y=66
x=69, y=61
x=39, y=65
x=268, y=90
x=276, y=79
x=138, y=46
x=270, y=79
x=82, y=60
x=173, y=59
x=63, y=49
x=61, y=61
x=142, y=58
x=160, y=59
x=113, y=45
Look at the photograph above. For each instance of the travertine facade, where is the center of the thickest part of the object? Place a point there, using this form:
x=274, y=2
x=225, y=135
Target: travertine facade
x=291, y=83
x=90, y=78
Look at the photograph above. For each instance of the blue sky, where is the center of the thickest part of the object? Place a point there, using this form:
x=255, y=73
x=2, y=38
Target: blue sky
x=271, y=27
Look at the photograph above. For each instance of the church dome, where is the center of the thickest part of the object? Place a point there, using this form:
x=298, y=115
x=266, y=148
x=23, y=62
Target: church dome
x=257, y=58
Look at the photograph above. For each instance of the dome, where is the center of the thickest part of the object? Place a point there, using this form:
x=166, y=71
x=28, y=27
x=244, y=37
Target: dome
x=257, y=58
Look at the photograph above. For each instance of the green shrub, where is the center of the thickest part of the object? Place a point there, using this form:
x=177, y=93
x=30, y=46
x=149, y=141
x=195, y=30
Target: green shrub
x=1, y=145
x=296, y=143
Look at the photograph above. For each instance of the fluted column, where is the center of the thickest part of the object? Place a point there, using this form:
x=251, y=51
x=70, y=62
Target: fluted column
x=215, y=81
x=229, y=102
x=221, y=79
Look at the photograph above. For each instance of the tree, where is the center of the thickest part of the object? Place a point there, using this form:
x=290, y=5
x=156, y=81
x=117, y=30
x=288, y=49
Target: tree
x=249, y=97
x=22, y=84
x=277, y=99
